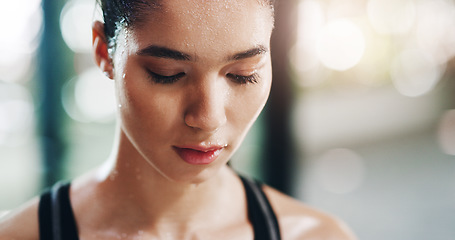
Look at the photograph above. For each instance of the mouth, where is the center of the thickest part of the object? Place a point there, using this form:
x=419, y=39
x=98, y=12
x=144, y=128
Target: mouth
x=197, y=155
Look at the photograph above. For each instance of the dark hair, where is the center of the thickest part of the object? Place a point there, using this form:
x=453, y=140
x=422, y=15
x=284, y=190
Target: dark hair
x=125, y=13
x=122, y=13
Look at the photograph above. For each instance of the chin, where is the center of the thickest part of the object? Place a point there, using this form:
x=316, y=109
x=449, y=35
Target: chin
x=196, y=174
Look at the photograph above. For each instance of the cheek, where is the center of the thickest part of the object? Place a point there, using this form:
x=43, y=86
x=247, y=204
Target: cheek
x=248, y=104
x=145, y=112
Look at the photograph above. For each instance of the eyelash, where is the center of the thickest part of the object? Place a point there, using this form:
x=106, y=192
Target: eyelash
x=253, y=78
x=157, y=78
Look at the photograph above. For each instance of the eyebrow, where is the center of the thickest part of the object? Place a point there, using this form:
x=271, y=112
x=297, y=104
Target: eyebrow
x=259, y=50
x=163, y=52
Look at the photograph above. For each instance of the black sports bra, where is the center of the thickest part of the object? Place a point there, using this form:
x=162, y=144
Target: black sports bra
x=57, y=222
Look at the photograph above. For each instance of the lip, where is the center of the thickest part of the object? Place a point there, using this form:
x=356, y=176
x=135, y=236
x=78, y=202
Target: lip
x=199, y=155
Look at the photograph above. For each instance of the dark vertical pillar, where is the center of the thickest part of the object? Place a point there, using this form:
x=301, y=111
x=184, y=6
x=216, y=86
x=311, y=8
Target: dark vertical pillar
x=53, y=61
x=279, y=153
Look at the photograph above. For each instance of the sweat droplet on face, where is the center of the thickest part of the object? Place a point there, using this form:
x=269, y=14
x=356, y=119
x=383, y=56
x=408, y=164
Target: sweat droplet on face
x=124, y=75
x=113, y=175
x=126, y=32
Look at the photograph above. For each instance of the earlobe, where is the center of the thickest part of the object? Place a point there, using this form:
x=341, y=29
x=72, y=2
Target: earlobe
x=101, y=55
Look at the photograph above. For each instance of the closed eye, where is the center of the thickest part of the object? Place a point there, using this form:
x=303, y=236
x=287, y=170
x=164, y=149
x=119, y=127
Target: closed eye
x=253, y=78
x=163, y=79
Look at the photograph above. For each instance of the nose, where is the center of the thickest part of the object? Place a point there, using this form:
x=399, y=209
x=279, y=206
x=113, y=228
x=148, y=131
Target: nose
x=207, y=105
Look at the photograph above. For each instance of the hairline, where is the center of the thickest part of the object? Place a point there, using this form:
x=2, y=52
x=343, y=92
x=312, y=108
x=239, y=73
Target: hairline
x=155, y=5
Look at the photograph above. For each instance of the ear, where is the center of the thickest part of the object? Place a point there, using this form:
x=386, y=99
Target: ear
x=99, y=42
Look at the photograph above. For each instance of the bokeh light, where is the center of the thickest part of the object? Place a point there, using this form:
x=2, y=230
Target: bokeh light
x=20, y=39
x=16, y=114
x=75, y=23
x=340, y=170
x=90, y=97
x=344, y=8
x=391, y=16
x=435, y=26
x=311, y=20
x=303, y=56
x=18, y=68
x=373, y=70
x=341, y=45
x=414, y=73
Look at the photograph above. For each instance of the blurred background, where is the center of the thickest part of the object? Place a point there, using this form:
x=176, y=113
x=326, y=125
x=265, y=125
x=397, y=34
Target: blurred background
x=360, y=123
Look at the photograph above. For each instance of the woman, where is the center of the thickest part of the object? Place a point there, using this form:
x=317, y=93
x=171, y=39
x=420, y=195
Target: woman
x=191, y=77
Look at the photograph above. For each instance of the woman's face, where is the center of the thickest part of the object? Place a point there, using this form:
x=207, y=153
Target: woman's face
x=190, y=81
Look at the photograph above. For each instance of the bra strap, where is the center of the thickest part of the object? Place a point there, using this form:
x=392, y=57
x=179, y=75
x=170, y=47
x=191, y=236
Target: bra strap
x=260, y=212
x=45, y=216
x=56, y=215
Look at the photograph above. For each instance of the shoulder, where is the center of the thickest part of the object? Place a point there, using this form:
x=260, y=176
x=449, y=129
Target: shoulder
x=298, y=221
x=21, y=223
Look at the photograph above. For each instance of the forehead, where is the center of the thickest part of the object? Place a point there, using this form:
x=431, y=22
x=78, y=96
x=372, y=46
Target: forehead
x=206, y=26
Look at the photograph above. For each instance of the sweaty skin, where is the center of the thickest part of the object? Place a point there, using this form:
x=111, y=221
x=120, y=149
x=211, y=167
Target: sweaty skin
x=204, y=107
x=192, y=75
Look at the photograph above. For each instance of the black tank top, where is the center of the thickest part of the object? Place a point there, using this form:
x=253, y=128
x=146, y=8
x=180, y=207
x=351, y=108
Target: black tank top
x=57, y=222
